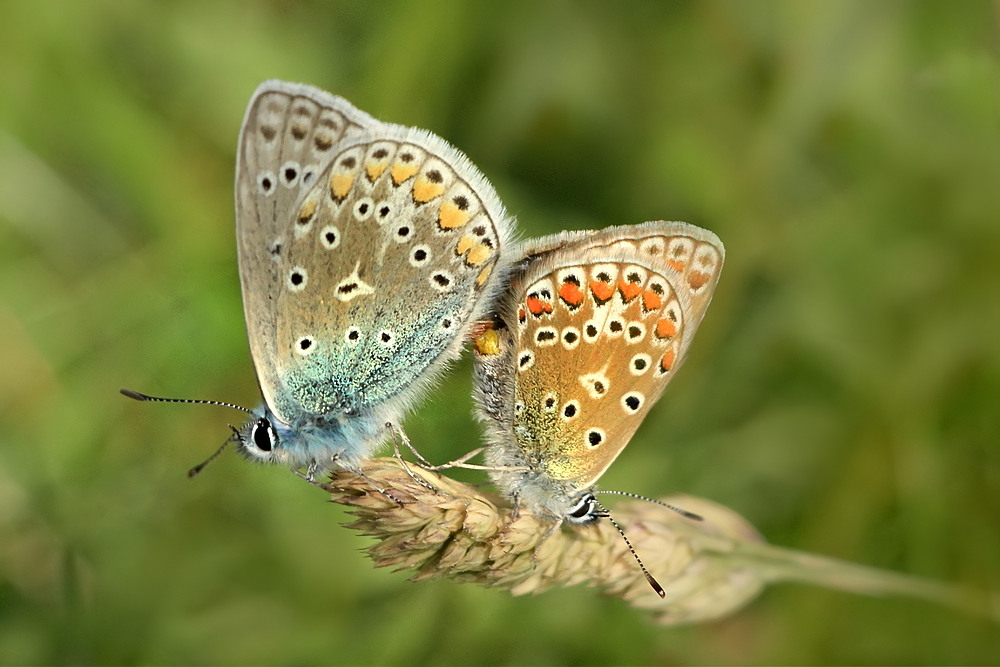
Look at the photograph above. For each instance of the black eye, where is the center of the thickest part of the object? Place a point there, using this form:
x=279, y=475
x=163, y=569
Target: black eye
x=262, y=435
x=584, y=511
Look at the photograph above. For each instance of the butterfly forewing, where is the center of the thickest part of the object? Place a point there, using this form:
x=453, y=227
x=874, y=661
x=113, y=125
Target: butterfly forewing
x=377, y=269
x=600, y=327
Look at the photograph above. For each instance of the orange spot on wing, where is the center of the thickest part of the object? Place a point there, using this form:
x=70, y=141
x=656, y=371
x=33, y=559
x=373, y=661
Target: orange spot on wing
x=651, y=300
x=602, y=291
x=484, y=275
x=465, y=244
x=536, y=306
x=425, y=190
x=402, y=171
x=667, y=362
x=629, y=290
x=374, y=170
x=451, y=216
x=697, y=279
x=521, y=315
x=571, y=294
x=340, y=185
x=307, y=211
x=665, y=328
x=477, y=255
x=676, y=264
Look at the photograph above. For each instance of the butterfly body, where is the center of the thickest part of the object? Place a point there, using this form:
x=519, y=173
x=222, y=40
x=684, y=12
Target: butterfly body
x=316, y=442
x=591, y=330
x=366, y=250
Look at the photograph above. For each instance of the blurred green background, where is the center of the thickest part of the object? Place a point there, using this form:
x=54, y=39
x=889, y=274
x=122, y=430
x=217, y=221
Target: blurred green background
x=843, y=394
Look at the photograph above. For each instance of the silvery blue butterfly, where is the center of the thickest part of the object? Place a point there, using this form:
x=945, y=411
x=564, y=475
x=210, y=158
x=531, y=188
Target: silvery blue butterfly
x=591, y=328
x=366, y=252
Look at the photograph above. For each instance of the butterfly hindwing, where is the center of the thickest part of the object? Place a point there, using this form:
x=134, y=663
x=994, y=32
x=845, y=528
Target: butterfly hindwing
x=404, y=236
x=594, y=326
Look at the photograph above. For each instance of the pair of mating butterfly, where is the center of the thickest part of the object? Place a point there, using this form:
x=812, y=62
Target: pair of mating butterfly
x=369, y=253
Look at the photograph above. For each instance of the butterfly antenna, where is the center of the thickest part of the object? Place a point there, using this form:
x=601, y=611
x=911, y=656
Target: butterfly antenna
x=201, y=466
x=236, y=434
x=683, y=512
x=652, y=582
x=143, y=397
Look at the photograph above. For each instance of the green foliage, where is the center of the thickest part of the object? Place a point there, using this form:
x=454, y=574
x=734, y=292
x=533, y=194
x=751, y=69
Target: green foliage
x=842, y=393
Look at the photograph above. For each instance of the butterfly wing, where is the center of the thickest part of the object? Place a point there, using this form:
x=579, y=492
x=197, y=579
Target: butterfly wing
x=360, y=284
x=597, y=325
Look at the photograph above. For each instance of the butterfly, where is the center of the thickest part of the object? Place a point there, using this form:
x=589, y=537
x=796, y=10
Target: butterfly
x=591, y=328
x=366, y=251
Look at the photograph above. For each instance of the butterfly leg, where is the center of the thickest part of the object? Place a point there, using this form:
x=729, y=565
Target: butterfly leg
x=457, y=463
x=385, y=492
x=398, y=431
x=427, y=465
x=310, y=474
x=462, y=462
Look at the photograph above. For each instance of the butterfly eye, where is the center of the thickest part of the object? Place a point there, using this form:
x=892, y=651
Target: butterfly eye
x=585, y=510
x=263, y=435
